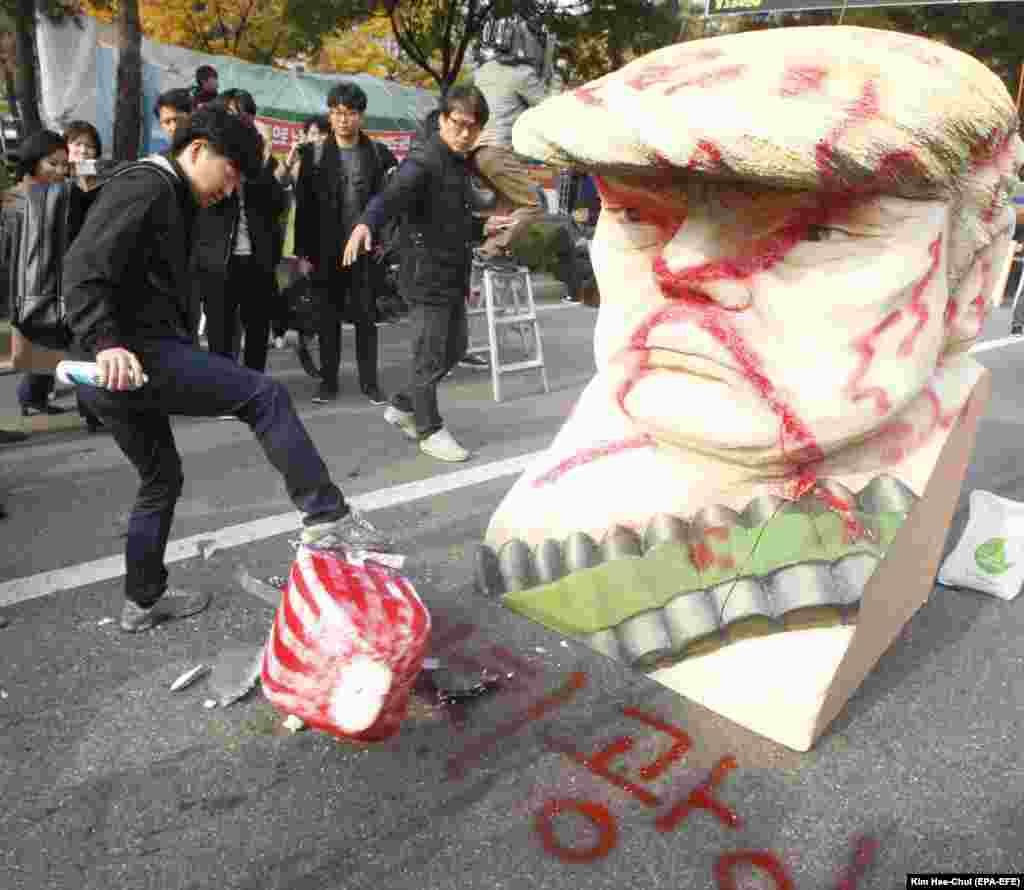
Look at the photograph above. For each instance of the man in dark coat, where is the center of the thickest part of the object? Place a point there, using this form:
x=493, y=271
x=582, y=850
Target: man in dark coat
x=131, y=307
x=330, y=198
x=433, y=189
x=238, y=244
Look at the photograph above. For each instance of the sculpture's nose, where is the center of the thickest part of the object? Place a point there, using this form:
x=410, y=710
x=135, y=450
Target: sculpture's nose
x=700, y=264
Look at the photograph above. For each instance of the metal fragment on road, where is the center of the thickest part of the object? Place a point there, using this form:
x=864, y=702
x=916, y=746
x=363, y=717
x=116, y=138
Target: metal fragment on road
x=104, y=621
x=261, y=589
x=209, y=704
x=235, y=673
x=189, y=677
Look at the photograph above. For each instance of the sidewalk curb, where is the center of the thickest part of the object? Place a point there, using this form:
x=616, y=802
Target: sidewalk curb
x=41, y=424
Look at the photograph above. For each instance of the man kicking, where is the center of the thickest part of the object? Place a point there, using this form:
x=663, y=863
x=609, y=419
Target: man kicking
x=130, y=306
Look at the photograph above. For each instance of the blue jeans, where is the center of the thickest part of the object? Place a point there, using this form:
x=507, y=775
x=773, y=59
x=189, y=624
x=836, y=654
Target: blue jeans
x=184, y=380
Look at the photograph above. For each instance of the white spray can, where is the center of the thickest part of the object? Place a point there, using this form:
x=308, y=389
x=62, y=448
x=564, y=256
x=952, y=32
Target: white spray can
x=87, y=373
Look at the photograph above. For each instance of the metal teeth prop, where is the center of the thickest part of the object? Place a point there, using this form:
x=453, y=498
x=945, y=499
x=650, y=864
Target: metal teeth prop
x=814, y=592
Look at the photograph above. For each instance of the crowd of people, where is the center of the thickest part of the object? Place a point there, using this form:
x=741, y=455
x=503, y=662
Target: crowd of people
x=148, y=260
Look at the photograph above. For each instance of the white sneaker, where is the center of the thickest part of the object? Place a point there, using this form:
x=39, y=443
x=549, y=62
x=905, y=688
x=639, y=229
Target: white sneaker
x=404, y=420
x=443, y=446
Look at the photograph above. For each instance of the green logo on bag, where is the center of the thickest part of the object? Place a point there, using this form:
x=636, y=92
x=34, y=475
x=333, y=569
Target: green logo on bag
x=991, y=557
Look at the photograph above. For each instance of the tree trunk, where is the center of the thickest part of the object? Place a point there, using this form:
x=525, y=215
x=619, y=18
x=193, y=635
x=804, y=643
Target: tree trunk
x=128, y=104
x=26, y=84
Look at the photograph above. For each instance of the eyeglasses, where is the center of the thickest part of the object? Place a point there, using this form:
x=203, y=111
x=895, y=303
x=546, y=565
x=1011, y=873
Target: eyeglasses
x=462, y=125
x=342, y=111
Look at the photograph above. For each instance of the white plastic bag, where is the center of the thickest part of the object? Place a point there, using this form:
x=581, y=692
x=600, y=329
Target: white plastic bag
x=990, y=554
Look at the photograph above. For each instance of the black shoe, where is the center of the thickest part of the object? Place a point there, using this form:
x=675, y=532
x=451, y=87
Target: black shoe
x=474, y=361
x=173, y=604
x=9, y=437
x=375, y=396
x=46, y=408
x=325, y=394
x=1017, y=330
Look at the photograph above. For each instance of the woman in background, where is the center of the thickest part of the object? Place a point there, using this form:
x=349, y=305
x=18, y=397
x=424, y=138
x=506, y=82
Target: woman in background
x=42, y=160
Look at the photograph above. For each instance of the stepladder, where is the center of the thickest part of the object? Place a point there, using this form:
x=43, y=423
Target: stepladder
x=503, y=323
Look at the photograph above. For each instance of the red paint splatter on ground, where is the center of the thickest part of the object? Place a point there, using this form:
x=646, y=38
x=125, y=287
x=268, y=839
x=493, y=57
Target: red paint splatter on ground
x=701, y=798
x=762, y=860
x=599, y=817
x=799, y=79
x=865, y=850
x=539, y=709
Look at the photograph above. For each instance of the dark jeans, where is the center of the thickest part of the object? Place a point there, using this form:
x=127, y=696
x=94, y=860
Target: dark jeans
x=35, y=389
x=441, y=336
x=335, y=294
x=184, y=380
x=249, y=289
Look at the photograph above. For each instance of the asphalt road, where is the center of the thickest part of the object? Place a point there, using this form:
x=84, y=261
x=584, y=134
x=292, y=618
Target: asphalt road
x=109, y=780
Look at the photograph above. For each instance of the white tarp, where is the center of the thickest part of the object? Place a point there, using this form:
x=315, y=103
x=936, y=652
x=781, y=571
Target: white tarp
x=67, y=70
x=79, y=73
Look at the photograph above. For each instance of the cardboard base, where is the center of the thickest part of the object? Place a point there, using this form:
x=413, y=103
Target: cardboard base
x=773, y=685
x=791, y=686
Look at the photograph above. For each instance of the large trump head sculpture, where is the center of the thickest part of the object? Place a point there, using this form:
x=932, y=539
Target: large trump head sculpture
x=802, y=231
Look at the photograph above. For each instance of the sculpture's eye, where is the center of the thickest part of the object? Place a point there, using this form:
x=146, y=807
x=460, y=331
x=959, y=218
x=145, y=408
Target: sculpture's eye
x=824, y=233
x=631, y=228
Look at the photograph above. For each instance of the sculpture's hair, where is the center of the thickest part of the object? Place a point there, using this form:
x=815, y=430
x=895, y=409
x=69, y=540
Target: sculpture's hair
x=835, y=109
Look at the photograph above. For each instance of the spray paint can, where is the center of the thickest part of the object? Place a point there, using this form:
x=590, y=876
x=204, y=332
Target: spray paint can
x=87, y=373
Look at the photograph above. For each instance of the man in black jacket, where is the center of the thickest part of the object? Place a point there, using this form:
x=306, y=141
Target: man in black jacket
x=330, y=197
x=132, y=306
x=238, y=244
x=432, y=187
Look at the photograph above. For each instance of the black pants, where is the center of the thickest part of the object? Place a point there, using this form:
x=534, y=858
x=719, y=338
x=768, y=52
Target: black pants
x=35, y=389
x=249, y=288
x=185, y=381
x=440, y=339
x=334, y=296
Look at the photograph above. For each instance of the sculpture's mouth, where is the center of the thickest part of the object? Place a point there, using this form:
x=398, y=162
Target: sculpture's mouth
x=693, y=364
x=687, y=585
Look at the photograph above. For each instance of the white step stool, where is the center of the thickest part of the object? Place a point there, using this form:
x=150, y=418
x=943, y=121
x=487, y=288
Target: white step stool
x=503, y=295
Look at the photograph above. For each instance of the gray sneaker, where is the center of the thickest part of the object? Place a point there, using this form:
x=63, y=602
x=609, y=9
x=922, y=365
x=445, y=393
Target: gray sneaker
x=173, y=604
x=351, y=532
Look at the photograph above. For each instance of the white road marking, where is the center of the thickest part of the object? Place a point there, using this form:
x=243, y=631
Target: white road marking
x=56, y=580
x=42, y=584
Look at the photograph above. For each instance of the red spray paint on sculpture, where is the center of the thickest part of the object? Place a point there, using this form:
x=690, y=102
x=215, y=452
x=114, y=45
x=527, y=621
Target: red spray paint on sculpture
x=347, y=644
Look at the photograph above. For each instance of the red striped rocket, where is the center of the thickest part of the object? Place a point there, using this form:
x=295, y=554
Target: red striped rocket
x=347, y=644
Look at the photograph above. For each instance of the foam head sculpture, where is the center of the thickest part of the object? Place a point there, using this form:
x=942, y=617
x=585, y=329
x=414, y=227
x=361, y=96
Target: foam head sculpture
x=802, y=231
